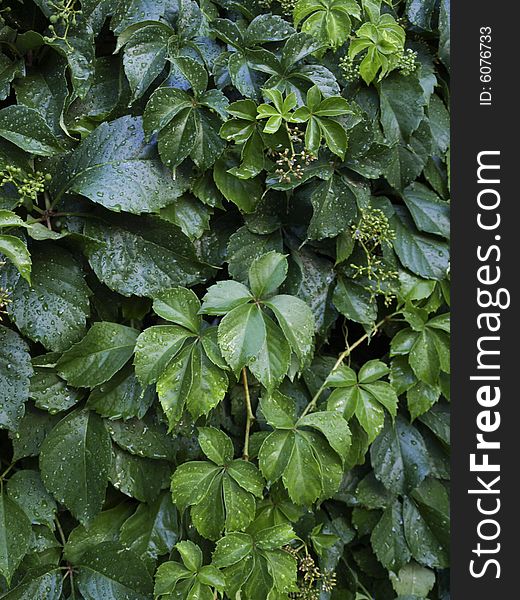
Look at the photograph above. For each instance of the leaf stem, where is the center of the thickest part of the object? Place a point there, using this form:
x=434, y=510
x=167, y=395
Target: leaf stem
x=341, y=358
x=60, y=531
x=250, y=417
x=2, y=476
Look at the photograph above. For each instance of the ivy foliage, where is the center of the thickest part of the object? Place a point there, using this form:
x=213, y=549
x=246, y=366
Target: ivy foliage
x=224, y=299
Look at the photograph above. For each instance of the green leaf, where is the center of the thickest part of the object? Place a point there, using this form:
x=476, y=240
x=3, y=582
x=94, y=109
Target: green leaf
x=168, y=575
x=190, y=215
x=334, y=208
x=154, y=350
x=48, y=390
x=241, y=335
x=153, y=529
x=247, y=476
x=333, y=427
x=278, y=410
x=272, y=362
x=245, y=193
x=31, y=430
x=232, y=548
x=422, y=254
x=166, y=257
x=399, y=457
x=191, y=481
x=105, y=527
x=193, y=380
x=413, y=580
x=221, y=498
x=26, y=489
x=57, y=289
x=216, y=445
x=145, y=56
x=113, y=158
x=388, y=539
x=328, y=21
x=424, y=358
x=426, y=524
x=180, y=306
x=114, y=572
x=244, y=246
x=139, y=478
x=99, y=355
x=192, y=132
x=354, y=301
x=143, y=437
x=15, y=537
x=191, y=555
x=429, y=212
x=26, y=128
x=224, y=296
x=296, y=321
x=267, y=273
x=15, y=371
x=16, y=251
x=306, y=463
x=37, y=583
x=402, y=109
x=45, y=90
x=74, y=462
x=121, y=397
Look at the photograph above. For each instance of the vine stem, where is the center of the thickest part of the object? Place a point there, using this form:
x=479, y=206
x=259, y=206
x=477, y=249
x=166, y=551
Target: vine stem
x=250, y=417
x=341, y=358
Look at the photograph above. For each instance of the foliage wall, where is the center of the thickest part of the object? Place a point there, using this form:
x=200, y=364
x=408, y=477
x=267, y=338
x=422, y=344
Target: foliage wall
x=224, y=292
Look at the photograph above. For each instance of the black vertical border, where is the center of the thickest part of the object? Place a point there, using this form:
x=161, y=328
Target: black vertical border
x=477, y=128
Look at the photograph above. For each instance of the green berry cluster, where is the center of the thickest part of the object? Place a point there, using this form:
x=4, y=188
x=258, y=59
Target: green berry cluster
x=372, y=232
x=373, y=227
x=407, y=62
x=288, y=6
x=291, y=164
x=28, y=186
x=65, y=15
x=349, y=68
x=312, y=581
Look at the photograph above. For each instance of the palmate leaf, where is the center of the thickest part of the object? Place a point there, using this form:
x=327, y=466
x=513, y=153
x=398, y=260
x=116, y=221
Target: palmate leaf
x=330, y=21
x=363, y=395
x=186, y=125
x=309, y=463
x=190, y=579
x=221, y=493
x=182, y=358
x=247, y=336
x=427, y=349
x=145, y=55
x=254, y=562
